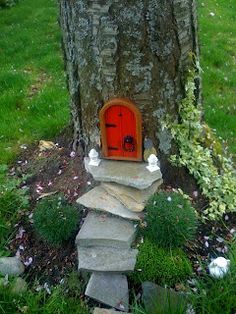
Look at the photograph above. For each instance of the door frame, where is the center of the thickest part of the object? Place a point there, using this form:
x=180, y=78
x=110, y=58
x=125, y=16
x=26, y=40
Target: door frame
x=132, y=107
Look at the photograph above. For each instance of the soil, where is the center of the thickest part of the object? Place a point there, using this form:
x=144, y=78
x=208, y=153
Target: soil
x=61, y=170
x=58, y=170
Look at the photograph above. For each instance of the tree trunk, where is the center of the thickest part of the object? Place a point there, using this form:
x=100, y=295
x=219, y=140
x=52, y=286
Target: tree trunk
x=137, y=49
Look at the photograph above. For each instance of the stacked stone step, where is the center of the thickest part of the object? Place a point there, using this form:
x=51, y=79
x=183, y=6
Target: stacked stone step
x=105, y=239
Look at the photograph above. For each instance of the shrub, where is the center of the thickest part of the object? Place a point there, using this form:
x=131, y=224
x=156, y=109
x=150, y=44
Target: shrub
x=171, y=220
x=161, y=265
x=55, y=220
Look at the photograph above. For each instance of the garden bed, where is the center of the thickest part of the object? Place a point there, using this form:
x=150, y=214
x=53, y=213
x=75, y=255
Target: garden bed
x=61, y=170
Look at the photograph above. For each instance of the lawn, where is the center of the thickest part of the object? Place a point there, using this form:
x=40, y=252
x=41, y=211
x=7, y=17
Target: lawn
x=34, y=100
x=218, y=61
x=33, y=96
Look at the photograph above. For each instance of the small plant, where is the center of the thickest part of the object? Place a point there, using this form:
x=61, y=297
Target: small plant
x=164, y=266
x=203, y=157
x=55, y=219
x=12, y=200
x=213, y=294
x=171, y=219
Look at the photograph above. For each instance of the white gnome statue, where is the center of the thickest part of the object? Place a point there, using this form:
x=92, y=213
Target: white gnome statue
x=152, y=163
x=219, y=267
x=93, y=156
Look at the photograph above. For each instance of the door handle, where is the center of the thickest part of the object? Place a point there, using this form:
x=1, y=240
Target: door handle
x=129, y=143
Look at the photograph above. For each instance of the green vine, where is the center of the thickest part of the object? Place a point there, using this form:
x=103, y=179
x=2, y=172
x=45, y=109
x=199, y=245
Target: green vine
x=200, y=152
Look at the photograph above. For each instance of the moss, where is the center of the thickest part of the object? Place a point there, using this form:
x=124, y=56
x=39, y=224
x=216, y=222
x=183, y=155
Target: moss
x=164, y=266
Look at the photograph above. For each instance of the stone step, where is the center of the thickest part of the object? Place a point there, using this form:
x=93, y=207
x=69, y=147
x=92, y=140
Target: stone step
x=99, y=199
x=106, y=259
x=106, y=230
x=99, y=310
x=133, y=199
x=110, y=289
x=133, y=174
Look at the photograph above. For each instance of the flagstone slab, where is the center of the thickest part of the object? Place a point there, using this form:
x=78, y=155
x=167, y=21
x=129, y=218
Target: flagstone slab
x=105, y=230
x=132, y=198
x=133, y=174
x=98, y=310
x=99, y=199
x=106, y=259
x=164, y=299
x=110, y=289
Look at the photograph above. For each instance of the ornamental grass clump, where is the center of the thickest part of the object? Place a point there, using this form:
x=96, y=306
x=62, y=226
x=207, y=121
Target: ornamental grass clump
x=55, y=219
x=171, y=220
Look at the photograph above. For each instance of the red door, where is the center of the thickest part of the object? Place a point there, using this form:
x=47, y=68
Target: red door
x=121, y=135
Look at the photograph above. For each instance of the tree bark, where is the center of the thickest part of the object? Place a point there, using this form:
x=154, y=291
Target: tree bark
x=137, y=49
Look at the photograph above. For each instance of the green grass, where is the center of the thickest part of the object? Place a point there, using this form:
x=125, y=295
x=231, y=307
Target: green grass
x=30, y=50
x=40, y=303
x=218, y=61
x=213, y=295
x=33, y=95
x=210, y=296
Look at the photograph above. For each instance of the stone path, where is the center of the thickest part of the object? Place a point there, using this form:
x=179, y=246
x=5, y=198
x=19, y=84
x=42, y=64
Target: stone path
x=105, y=239
x=105, y=230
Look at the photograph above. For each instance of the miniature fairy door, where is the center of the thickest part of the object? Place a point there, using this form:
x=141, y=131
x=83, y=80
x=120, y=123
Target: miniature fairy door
x=121, y=130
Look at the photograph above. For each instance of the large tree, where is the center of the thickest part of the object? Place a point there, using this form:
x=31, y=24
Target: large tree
x=137, y=49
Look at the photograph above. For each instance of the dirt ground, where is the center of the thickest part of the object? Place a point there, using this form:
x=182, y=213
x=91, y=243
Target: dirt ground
x=57, y=170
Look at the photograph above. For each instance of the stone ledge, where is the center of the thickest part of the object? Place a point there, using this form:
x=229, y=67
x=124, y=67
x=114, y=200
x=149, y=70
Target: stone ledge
x=98, y=310
x=110, y=289
x=106, y=259
x=134, y=199
x=106, y=230
x=133, y=174
x=99, y=199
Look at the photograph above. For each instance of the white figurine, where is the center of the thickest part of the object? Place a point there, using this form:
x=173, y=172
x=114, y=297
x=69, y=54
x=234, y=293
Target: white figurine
x=219, y=267
x=93, y=156
x=152, y=163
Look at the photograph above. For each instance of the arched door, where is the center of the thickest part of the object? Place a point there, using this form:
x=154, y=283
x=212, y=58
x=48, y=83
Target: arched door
x=121, y=130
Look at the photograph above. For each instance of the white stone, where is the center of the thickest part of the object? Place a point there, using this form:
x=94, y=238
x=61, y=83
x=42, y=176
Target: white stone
x=93, y=158
x=153, y=163
x=11, y=266
x=219, y=267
